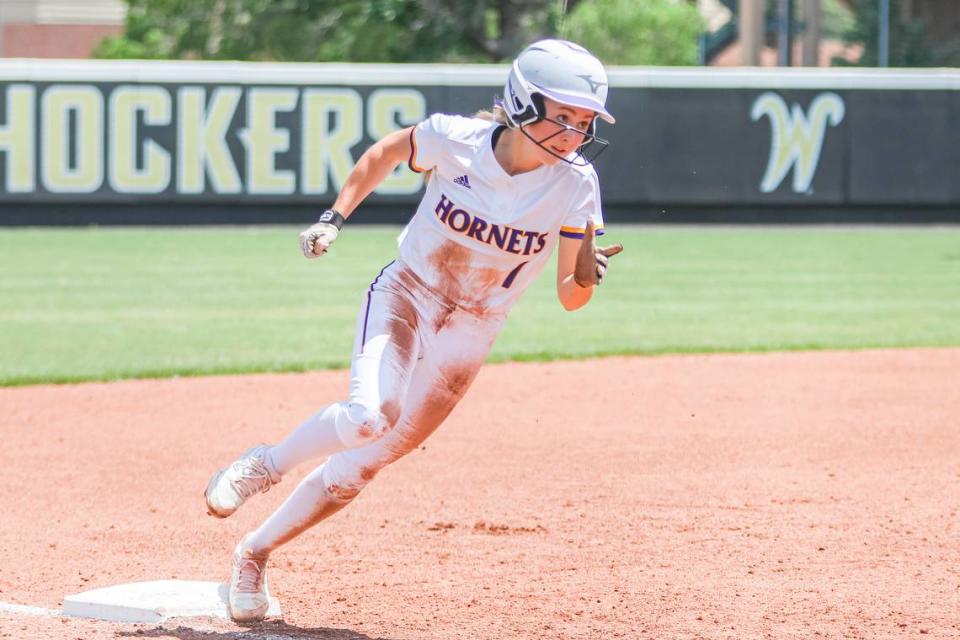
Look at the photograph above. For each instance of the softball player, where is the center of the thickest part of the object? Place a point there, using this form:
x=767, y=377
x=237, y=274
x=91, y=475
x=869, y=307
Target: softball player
x=503, y=191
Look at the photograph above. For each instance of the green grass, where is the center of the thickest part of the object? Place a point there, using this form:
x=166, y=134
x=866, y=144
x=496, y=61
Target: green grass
x=95, y=304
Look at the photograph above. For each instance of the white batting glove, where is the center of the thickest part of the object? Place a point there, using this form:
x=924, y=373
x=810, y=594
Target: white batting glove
x=315, y=241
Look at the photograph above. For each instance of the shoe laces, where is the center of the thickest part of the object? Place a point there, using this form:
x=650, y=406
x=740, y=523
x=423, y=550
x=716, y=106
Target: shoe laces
x=253, y=477
x=251, y=574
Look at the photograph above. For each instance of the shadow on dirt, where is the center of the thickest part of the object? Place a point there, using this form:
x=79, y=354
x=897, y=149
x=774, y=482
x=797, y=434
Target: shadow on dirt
x=264, y=631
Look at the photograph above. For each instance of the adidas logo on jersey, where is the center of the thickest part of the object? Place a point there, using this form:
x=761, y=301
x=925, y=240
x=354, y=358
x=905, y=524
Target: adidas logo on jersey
x=463, y=181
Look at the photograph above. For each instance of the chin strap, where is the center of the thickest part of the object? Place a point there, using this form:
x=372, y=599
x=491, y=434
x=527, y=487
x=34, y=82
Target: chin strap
x=591, y=143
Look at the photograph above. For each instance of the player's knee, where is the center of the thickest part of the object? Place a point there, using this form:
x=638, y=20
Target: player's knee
x=359, y=424
x=343, y=479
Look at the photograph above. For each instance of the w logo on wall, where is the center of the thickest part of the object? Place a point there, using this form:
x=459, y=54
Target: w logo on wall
x=796, y=138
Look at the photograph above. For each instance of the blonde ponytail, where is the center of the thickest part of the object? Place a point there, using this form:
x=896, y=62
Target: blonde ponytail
x=495, y=114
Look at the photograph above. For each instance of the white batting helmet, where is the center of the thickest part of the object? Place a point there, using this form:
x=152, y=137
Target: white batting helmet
x=560, y=70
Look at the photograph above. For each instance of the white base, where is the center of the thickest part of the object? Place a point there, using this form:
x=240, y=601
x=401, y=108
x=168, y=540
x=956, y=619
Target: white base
x=155, y=601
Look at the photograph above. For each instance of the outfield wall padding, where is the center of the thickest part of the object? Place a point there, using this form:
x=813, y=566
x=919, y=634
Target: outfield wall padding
x=138, y=142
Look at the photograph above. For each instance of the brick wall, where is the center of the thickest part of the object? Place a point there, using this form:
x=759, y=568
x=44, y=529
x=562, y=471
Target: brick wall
x=24, y=40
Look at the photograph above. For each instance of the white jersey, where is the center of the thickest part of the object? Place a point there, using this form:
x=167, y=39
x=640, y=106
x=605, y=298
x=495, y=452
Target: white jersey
x=480, y=236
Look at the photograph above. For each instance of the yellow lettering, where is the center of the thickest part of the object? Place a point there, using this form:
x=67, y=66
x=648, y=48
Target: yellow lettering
x=264, y=140
x=202, y=140
x=385, y=108
x=795, y=140
x=82, y=173
x=16, y=139
x=125, y=102
x=325, y=148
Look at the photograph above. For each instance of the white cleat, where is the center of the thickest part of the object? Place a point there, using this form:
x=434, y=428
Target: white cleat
x=249, y=596
x=231, y=487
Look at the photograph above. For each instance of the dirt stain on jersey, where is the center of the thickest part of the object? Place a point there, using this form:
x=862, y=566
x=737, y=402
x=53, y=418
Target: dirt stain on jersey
x=402, y=325
x=419, y=422
x=333, y=499
x=411, y=430
x=410, y=282
x=458, y=380
x=391, y=413
x=442, y=318
x=343, y=493
x=460, y=280
x=365, y=431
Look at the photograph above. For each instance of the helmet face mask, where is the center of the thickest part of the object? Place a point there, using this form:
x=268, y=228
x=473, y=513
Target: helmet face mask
x=587, y=150
x=565, y=73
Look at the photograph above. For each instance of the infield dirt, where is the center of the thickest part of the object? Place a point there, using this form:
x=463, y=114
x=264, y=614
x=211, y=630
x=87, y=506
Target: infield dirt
x=801, y=495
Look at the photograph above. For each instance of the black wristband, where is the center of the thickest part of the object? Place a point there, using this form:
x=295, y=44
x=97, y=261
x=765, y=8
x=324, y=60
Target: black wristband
x=332, y=216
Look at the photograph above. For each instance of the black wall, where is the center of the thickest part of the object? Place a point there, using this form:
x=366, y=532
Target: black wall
x=677, y=154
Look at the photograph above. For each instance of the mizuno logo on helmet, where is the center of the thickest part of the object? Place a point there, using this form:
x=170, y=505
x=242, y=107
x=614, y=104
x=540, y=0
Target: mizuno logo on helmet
x=594, y=85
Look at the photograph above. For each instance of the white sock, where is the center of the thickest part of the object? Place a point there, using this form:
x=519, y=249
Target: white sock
x=315, y=438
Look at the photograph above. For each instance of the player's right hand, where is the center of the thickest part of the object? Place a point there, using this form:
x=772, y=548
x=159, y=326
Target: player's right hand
x=315, y=240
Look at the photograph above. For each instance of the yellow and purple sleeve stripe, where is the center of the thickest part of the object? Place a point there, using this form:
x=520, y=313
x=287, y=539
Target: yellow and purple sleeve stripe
x=412, y=162
x=577, y=232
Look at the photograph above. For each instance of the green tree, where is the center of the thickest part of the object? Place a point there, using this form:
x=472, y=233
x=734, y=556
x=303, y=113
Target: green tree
x=655, y=32
x=837, y=19
x=618, y=31
x=332, y=30
x=908, y=43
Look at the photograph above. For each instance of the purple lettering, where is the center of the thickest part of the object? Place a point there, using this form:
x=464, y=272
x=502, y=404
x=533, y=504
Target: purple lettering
x=476, y=228
x=516, y=241
x=530, y=235
x=443, y=208
x=542, y=240
x=514, y=245
x=463, y=215
x=495, y=235
x=508, y=281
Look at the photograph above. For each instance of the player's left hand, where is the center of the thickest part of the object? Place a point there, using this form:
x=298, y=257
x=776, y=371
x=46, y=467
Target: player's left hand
x=592, y=261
